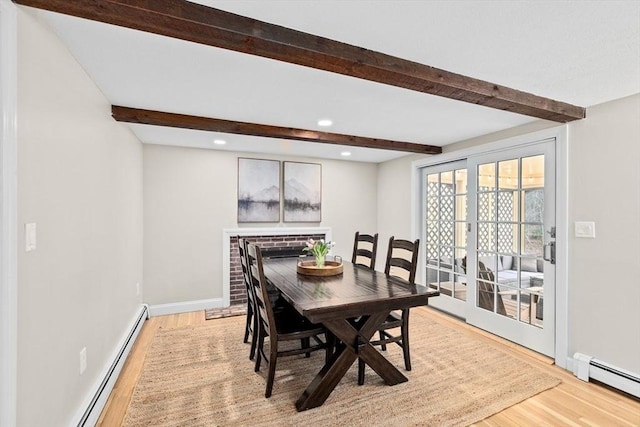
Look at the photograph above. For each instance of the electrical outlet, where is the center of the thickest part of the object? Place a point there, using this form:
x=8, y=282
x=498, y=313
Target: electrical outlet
x=138, y=288
x=83, y=360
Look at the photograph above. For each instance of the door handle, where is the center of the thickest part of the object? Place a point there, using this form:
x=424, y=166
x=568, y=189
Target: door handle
x=552, y=252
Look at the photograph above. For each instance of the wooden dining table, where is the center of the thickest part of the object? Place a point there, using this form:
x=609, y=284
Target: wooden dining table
x=350, y=305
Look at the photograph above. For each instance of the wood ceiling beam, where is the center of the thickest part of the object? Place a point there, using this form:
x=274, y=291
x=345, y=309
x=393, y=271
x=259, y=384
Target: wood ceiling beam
x=201, y=24
x=159, y=118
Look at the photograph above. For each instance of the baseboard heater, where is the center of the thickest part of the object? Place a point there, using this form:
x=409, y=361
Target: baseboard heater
x=99, y=399
x=586, y=367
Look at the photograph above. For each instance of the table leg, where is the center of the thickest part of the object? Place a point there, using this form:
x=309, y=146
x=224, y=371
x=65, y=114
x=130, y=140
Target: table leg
x=355, y=342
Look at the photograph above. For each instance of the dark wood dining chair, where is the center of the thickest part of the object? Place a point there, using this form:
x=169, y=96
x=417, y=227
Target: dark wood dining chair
x=402, y=263
x=280, y=326
x=278, y=304
x=251, y=324
x=365, y=248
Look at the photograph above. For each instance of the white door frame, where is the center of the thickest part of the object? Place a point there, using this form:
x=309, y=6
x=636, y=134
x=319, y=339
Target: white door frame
x=8, y=214
x=562, y=218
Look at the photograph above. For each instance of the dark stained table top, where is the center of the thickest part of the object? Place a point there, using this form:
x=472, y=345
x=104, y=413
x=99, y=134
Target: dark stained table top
x=357, y=291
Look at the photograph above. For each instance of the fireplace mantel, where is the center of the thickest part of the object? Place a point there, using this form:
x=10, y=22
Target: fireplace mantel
x=228, y=233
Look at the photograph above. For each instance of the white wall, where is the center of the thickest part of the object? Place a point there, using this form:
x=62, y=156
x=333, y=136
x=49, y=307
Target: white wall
x=80, y=180
x=394, y=204
x=190, y=195
x=604, y=183
x=8, y=212
x=604, y=186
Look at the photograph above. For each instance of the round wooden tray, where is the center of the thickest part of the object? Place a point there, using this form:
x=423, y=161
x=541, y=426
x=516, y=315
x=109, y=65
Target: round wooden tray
x=331, y=268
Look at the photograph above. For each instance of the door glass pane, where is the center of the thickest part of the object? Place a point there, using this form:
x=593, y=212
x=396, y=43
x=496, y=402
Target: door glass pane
x=533, y=172
x=486, y=236
x=433, y=204
x=527, y=301
x=432, y=275
x=446, y=179
x=537, y=300
x=461, y=234
x=488, y=262
x=507, y=206
x=486, y=206
x=508, y=174
x=487, y=176
x=461, y=181
x=509, y=276
x=533, y=205
x=532, y=236
x=432, y=233
x=446, y=254
x=432, y=252
x=446, y=184
x=446, y=264
x=486, y=288
x=446, y=231
x=432, y=184
x=507, y=238
x=461, y=208
x=460, y=287
x=447, y=208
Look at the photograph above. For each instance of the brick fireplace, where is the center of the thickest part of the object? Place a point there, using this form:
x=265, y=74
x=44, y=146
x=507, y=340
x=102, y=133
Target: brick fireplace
x=273, y=241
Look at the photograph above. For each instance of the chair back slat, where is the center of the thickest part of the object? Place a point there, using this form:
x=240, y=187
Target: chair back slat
x=242, y=249
x=402, y=255
x=365, y=248
x=259, y=284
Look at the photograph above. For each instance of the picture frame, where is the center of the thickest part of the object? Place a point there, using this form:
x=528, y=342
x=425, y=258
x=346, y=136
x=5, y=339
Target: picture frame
x=302, y=183
x=258, y=190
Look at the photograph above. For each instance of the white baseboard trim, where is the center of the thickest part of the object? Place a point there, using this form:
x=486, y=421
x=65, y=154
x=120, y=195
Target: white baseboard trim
x=93, y=405
x=185, y=306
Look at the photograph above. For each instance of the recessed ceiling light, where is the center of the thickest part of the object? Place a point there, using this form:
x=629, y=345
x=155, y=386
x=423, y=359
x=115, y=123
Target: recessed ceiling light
x=346, y=153
x=325, y=122
x=219, y=141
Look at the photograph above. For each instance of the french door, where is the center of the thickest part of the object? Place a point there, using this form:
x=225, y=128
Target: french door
x=489, y=242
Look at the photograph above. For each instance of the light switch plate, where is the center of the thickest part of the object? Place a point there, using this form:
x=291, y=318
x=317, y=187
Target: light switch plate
x=30, y=236
x=585, y=229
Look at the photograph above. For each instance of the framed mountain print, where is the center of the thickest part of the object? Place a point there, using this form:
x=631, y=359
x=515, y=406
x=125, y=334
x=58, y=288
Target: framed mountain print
x=258, y=190
x=302, y=192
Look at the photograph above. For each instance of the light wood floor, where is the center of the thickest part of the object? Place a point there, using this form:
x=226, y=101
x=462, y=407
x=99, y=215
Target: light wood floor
x=572, y=403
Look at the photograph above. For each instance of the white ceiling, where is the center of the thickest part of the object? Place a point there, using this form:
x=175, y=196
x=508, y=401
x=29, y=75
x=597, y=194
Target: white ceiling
x=580, y=52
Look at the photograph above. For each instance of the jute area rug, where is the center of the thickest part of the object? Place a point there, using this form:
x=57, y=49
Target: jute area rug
x=202, y=376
